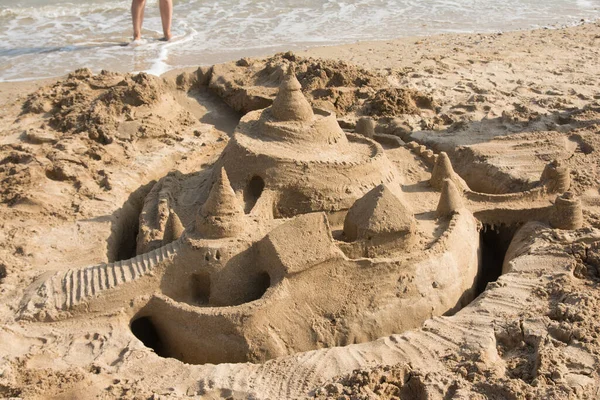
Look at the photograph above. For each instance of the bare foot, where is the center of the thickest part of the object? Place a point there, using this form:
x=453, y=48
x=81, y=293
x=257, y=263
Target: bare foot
x=137, y=42
x=166, y=38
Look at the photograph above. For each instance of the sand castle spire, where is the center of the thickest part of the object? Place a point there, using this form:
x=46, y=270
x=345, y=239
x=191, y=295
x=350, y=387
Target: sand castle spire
x=221, y=215
x=450, y=199
x=378, y=212
x=441, y=170
x=174, y=228
x=290, y=103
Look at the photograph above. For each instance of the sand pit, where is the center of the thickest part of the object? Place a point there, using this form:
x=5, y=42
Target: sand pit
x=297, y=227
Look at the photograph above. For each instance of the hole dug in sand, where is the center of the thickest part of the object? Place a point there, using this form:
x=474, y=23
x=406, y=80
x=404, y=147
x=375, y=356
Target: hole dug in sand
x=494, y=242
x=144, y=330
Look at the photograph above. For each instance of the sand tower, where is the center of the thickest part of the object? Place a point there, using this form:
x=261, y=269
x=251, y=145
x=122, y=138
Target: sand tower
x=290, y=104
x=380, y=222
x=556, y=177
x=450, y=199
x=567, y=213
x=443, y=170
x=174, y=228
x=221, y=215
x=303, y=155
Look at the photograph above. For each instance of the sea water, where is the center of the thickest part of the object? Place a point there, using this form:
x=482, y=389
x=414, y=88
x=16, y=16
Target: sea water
x=48, y=38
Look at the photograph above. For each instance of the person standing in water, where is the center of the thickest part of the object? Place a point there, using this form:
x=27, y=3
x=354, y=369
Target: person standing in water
x=137, y=14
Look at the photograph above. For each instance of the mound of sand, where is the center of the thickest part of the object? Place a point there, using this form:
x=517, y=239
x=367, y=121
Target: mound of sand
x=108, y=106
x=344, y=88
x=67, y=128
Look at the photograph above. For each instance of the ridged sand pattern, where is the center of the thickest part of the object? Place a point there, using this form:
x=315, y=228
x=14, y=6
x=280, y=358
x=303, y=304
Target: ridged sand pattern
x=72, y=287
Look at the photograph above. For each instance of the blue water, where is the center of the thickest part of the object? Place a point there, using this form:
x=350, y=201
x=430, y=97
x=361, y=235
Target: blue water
x=50, y=38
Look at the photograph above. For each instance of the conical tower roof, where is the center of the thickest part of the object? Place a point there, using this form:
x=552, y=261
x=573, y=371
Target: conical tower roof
x=221, y=215
x=378, y=212
x=450, y=199
x=290, y=103
x=174, y=228
x=441, y=170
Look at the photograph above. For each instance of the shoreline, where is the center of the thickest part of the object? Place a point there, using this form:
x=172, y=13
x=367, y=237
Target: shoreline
x=401, y=53
x=321, y=49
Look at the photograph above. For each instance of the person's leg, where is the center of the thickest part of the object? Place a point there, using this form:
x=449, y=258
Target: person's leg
x=166, y=14
x=137, y=15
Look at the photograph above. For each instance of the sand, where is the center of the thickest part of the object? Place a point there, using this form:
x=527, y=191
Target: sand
x=430, y=167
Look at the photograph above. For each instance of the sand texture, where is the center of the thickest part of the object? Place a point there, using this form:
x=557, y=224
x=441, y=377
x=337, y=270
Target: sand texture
x=413, y=219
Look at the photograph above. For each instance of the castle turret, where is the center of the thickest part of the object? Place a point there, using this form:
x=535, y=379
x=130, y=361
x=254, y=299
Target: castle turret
x=221, y=215
x=442, y=170
x=556, y=177
x=174, y=228
x=381, y=220
x=303, y=154
x=567, y=213
x=450, y=199
x=290, y=103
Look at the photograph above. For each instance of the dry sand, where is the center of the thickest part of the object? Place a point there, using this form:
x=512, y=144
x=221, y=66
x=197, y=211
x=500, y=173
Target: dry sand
x=80, y=157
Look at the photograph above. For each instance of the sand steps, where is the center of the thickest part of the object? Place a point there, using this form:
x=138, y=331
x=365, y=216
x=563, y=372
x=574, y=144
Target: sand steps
x=67, y=289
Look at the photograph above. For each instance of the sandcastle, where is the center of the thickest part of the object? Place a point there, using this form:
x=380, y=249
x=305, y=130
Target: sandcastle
x=269, y=232
x=275, y=250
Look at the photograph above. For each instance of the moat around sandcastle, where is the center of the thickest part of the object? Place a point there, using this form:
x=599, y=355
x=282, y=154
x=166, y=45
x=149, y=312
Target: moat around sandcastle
x=301, y=236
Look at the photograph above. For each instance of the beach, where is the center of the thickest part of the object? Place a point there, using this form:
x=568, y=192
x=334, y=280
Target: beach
x=80, y=155
x=43, y=39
